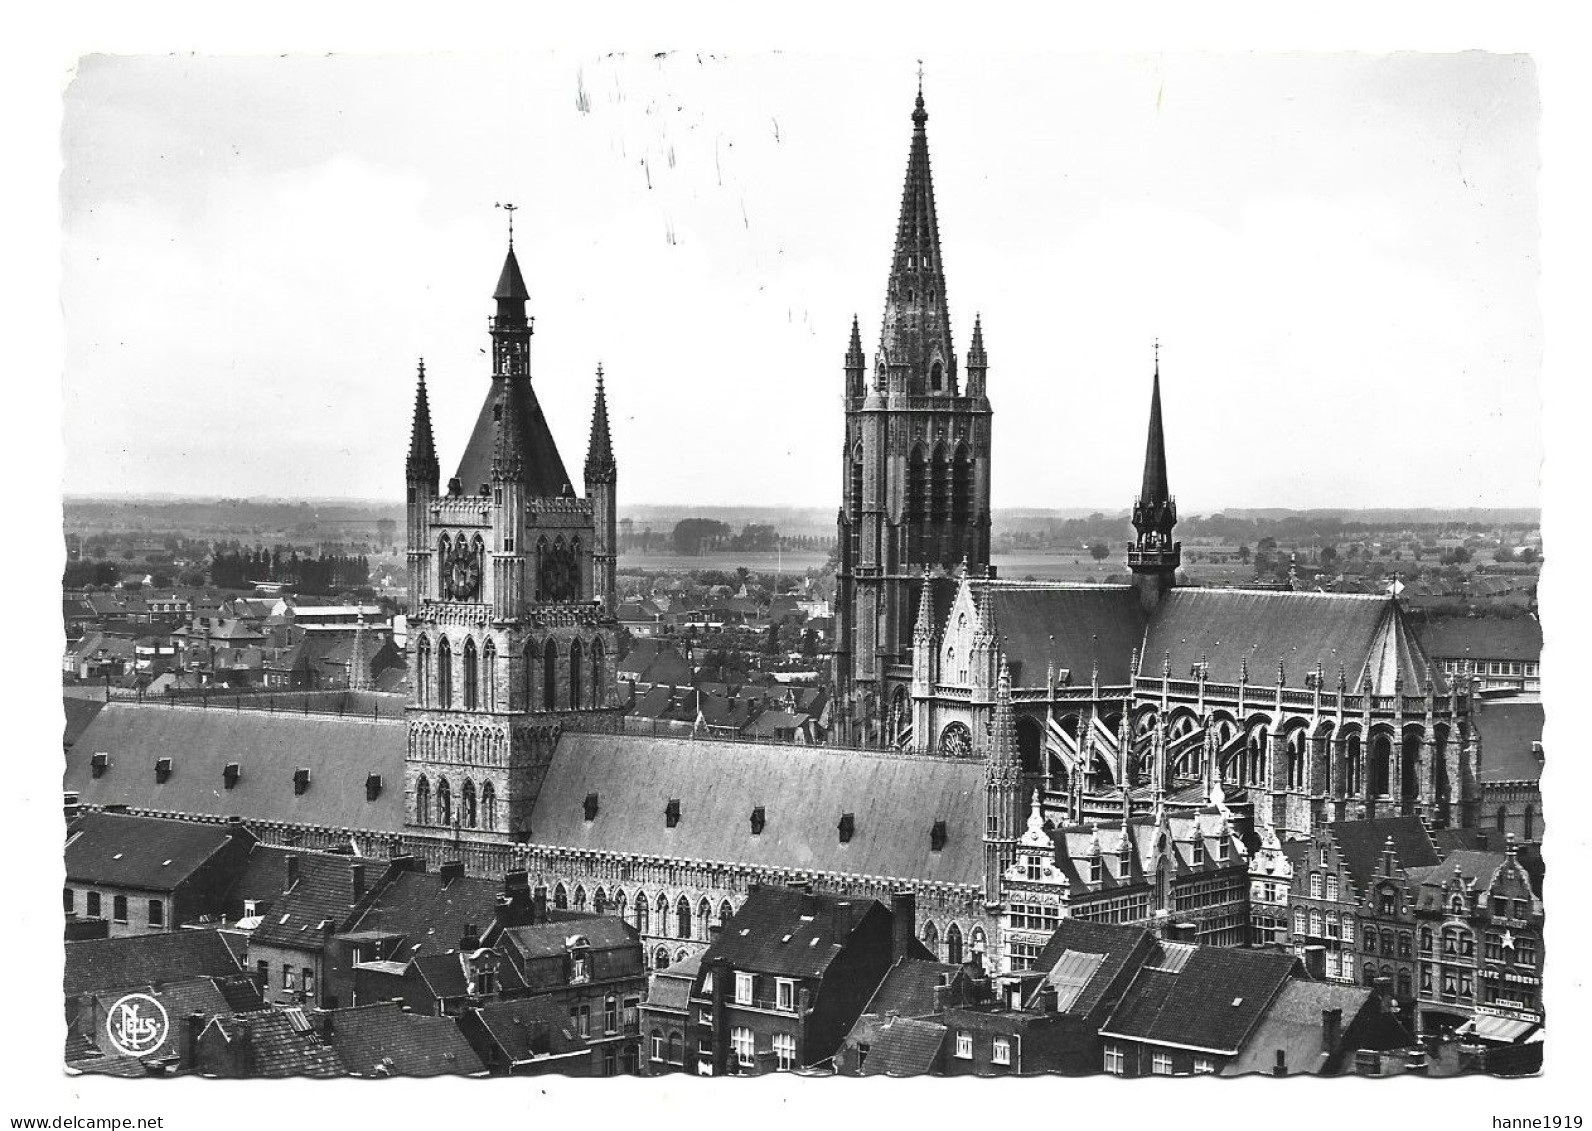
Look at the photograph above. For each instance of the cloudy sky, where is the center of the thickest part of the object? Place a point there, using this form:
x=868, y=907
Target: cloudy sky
x=1339, y=254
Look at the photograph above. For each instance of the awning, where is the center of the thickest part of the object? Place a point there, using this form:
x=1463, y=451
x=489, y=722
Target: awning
x=1504, y=1030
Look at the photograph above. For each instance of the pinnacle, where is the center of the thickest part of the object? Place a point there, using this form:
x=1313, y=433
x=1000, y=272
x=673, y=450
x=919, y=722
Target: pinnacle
x=511, y=284
x=422, y=462
x=599, y=450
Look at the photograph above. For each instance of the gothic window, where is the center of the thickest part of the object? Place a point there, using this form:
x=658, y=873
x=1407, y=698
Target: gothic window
x=580, y=898
x=467, y=804
x=682, y=914
x=1528, y=824
x=940, y=497
x=549, y=675
x=489, y=676
x=444, y=802
x=1381, y=765
x=962, y=487
x=444, y=673
x=917, y=485
x=1296, y=760
x=662, y=909
x=977, y=940
x=423, y=669
x=488, y=806
x=953, y=945
x=597, y=672
x=931, y=938
x=471, y=682
x=725, y=912
x=936, y=377
x=1409, y=768
x=1500, y=819
x=560, y=897
x=643, y=913
x=422, y=801
x=660, y=958
x=1352, y=766
x=956, y=741
x=575, y=663
x=704, y=917
x=621, y=905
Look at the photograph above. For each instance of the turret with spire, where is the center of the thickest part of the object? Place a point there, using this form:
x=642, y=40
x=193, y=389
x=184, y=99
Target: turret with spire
x=1154, y=557
x=977, y=360
x=856, y=364
x=602, y=478
x=422, y=475
x=1002, y=789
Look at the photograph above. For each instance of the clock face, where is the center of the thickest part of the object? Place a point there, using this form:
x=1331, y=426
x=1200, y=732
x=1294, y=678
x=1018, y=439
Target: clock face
x=464, y=575
x=558, y=576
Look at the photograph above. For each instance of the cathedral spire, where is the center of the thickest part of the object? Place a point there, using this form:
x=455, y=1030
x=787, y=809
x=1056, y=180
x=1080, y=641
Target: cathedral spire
x=1154, y=557
x=421, y=466
x=915, y=340
x=856, y=363
x=600, y=450
x=1155, y=490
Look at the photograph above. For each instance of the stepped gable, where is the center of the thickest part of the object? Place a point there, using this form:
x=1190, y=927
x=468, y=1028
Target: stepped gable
x=1088, y=623
x=1367, y=635
x=269, y=748
x=895, y=801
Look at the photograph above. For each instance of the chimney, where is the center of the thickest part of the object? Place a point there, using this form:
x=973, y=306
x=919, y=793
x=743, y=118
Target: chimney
x=516, y=881
x=471, y=939
x=1281, y=1067
x=193, y=1025
x=1047, y=998
x=942, y=993
x=451, y=870
x=1331, y=1030
x=356, y=873
x=539, y=906
x=1481, y=839
x=1185, y=932
x=720, y=1035
x=715, y=930
x=1384, y=994
x=1316, y=962
x=904, y=922
x=292, y=872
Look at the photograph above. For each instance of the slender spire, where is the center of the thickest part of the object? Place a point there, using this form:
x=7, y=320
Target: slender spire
x=422, y=463
x=600, y=450
x=975, y=352
x=358, y=659
x=856, y=363
x=1155, y=489
x=915, y=337
x=511, y=284
x=1155, y=557
x=1004, y=727
x=924, y=629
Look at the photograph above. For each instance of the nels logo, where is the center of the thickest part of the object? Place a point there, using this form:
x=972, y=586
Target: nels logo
x=137, y=1025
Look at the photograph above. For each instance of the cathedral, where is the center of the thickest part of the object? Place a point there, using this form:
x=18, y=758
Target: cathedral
x=1012, y=752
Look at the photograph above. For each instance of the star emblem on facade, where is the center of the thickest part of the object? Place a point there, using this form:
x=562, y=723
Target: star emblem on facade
x=1509, y=940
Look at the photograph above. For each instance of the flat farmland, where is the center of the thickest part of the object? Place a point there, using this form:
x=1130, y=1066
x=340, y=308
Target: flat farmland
x=792, y=561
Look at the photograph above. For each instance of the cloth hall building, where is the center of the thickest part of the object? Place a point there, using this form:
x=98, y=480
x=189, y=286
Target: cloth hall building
x=1012, y=752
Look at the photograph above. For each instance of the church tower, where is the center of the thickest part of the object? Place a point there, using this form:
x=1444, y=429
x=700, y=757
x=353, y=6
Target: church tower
x=510, y=636
x=915, y=467
x=1154, y=557
x=602, y=478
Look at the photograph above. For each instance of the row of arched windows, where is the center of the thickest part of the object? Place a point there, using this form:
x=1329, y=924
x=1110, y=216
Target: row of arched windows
x=951, y=949
x=939, y=486
x=476, y=673
x=471, y=811
x=660, y=916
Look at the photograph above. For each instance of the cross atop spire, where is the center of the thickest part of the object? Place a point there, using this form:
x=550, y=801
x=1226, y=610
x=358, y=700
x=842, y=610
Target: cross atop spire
x=510, y=208
x=915, y=338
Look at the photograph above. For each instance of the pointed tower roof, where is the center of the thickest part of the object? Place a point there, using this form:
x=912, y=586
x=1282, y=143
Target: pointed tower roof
x=600, y=449
x=1155, y=489
x=975, y=352
x=917, y=323
x=511, y=284
x=1003, y=737
x=854, y=355
x=422, y=462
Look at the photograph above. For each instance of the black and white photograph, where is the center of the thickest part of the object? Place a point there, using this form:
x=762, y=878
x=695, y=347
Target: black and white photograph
x=897, y=559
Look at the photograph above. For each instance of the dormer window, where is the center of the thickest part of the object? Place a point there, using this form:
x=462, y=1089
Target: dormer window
x=848, y=825
x=937, y=836
x=162, y=769
x=230, y=774
x=1096, y=870
x=589, y=807
x=1199, y=850
x=759, y=819
x=1221, y=848
x=100, y=763
x=372, y=786
x=301, y=781
x=671, y=812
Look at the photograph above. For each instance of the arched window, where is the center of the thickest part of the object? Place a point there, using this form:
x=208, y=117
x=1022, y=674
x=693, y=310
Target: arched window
x=1296, y=760
x=676, y=1047
x=662, y=908
x=1381, y=765
x=1404, y=988
x=643, y=914
x=682, y=914
x=1353, y=767
x=977, y=939
x=444, y=674
x=575, y=662
x=1501, y=819
x=660, y=958
x=1258, y=743
x=940, y=488
x=621, y=905
x=489, y=676
x=704, y=917
x=682, y=954
x=560, y=897
x=1528, y=824
x=444, y=802
x=423, y=670
x=488, y=806
x=1410, y=769
x=917, y=485
x=953, y=945
x=962, y=487
x=931, y=938
x=598, y=682
x=936, y=377
x=471, y=681
x=422, y=801
x=580, y=898
x=467, y=804
x=599, y=901
x=549, y=675
x=726, y=912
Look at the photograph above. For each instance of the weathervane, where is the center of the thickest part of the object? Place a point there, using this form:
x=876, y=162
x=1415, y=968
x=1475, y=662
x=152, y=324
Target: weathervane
x=510, y=209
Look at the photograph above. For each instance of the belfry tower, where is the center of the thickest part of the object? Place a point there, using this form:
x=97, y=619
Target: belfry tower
x=511, y=629
x=1154, y=557
x=915, y=468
